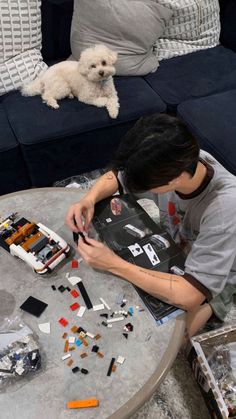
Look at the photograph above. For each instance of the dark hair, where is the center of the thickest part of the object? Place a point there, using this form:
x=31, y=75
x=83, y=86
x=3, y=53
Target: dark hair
x=155, y=151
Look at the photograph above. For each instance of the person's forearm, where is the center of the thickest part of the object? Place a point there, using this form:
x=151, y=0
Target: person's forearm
x=172, y=289
x=106, y=186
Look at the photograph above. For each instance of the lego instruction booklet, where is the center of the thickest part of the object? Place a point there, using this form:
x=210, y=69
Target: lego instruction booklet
x=129, y=231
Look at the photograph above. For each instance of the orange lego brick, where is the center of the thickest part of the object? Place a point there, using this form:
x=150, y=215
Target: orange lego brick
x=97, y=336
x=71, y=348
x=70, y=362
x=85, y=343
x=66, y=346
x=74, y=329
x=64, y=336
x=114, y=368
x=76, y=404
x=100, y=355
x=83, y=355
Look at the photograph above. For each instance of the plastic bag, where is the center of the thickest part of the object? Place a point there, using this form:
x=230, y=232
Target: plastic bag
x=19, y=351
x=222, y=361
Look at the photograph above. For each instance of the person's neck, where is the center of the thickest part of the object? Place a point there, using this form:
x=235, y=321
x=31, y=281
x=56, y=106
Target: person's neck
x=189, y=184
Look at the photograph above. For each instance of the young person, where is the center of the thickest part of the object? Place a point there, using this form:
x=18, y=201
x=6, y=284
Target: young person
x=197, y=201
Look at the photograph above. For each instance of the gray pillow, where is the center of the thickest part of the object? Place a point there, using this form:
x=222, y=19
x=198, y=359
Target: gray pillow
x=129, y=27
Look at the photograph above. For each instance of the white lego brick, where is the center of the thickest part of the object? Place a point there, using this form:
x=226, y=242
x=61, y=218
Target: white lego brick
x=71, y=339
x=74, y=280
x=65, y=357
x=98, y=307
x=67, y=275
x=120, y=360
x=90, y=335
x=115, y=319
x=81, y=311
x=105, y=303
x=19, y=370
x=45, y=327
x=109, y=326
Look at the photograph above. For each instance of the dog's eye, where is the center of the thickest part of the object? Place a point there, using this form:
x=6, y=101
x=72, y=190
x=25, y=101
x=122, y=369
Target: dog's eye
x=93, y=66
x=104, y=63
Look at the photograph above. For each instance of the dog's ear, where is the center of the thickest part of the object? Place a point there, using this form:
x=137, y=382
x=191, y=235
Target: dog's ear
x=113, y=56
x=82, y=68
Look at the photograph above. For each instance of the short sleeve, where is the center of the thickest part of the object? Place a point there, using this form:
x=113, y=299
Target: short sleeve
x=212, y=256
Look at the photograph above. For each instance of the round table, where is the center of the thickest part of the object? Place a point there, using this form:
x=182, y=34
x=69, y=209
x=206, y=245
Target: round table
x=149, y=350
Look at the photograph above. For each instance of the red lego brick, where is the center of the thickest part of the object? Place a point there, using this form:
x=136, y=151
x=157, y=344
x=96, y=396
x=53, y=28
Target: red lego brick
x=74, y=293
x=63, y=322
x=74, y=264
x=74, y=306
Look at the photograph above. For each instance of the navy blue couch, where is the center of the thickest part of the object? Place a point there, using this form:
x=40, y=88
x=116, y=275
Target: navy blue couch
x=39, y=145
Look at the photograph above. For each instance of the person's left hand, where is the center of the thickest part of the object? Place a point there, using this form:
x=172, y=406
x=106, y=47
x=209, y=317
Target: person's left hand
x=97, y=255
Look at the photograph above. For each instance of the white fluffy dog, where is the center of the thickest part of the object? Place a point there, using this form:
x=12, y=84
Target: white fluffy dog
x=89, y=79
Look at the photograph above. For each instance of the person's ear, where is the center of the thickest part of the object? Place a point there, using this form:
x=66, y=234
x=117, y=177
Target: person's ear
x=176, y=180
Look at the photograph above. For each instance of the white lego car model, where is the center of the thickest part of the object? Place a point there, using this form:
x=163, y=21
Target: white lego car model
x=36, y=244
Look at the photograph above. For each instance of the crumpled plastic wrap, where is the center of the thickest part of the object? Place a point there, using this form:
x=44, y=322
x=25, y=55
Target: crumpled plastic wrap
x=19, y=351
x=222, y=361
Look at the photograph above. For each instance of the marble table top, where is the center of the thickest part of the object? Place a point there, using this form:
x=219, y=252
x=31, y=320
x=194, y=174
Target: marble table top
x=149, y=350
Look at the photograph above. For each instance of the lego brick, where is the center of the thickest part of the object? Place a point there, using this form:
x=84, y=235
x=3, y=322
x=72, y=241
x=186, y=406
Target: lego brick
x=97, y=336
x=81, y=311
x=98, y=307
x=83, y=355
x=70, y=362
x=95, y=348
x=64, y=336
x=75, y=369
x=90, y=335
x=84, y=294
x=33, y=306
x=78, y=342
x=84, y=371
x=66, y=346
x=128, y=327
x=74, y=306
x=100, y=355
x=61, y=288
x=105, y=303
x=74, y=293
x=71, y=339
x=74, y=280
x=120, y=360
x=71, y=348
x=110, y=367
x=76, y=404
x=74, y=329
x=74, y=264
x=45, y=328
x=63, y=322
x=65, y=357
x=53, y=287
x=115, y=319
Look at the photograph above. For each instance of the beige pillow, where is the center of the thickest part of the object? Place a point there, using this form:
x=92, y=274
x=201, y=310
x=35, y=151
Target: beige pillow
x=128, y=27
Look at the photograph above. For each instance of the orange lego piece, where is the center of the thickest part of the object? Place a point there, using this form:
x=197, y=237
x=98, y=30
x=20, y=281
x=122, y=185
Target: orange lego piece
x=70, y=362
x=66, y=346
x=97, y=336
x=114, y=368
x=76, y=404
x=100, y=355
x=74, y=329
x=83, y=355
x=85, y=343
x=72, y=348
x=64, y=336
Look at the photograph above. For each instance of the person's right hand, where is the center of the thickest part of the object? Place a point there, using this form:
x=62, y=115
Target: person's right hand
x=80, y=215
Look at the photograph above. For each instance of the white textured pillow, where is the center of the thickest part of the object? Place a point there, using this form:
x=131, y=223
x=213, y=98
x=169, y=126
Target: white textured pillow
x=129, y=27
x=20, y=43
x=195, y=25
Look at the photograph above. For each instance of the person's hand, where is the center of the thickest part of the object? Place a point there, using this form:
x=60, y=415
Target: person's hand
x=80, y=215
x=97, y=255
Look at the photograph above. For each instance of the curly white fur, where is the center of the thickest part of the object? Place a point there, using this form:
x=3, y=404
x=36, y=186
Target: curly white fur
x=89, y=79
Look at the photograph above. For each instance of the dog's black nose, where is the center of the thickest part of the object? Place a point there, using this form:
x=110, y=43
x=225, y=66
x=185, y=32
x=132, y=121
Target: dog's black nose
x=101, y=73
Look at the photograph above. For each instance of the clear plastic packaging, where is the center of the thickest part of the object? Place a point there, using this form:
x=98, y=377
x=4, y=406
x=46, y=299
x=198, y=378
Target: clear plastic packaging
x=19, y=351
x=222, y=361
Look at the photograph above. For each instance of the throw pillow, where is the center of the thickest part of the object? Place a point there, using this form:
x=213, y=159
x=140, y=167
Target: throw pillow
x=128, y=27
x=195, y=25
x=20, y=43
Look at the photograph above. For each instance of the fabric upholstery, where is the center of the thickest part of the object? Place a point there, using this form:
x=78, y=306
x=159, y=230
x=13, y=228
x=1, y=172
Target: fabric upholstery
x=130, y=28
x=194, y=75
x=76, y=137
x=195, y=25
x=20, y=39
x=212, y=121
x=13, y=174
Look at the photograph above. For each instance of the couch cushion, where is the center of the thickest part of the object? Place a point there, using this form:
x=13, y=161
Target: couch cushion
x=20, y=40
x=212, y=121
x=128, y=27
x=13, y=174
x=76, y=137
x=56, y=24
x=228, y=27
x=194, y=75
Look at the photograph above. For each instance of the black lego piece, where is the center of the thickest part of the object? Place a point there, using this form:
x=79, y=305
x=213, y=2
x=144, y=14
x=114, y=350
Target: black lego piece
x=34, y=306
x=84, y=294
x=84, y=371
x=95, y=348
x=61, y=288
x=53, y=287
x=110, y=367
x=75, y=369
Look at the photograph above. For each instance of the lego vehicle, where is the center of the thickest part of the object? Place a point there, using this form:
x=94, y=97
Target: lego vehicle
x=36, y=244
